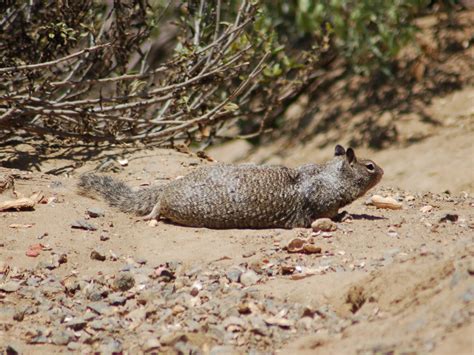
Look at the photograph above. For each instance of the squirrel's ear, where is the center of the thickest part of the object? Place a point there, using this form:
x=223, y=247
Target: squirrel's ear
x=339, y=150
x=350, y=155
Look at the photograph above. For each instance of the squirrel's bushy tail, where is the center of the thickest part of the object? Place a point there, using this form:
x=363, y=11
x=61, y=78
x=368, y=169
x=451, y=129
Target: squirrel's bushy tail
x=118, y=194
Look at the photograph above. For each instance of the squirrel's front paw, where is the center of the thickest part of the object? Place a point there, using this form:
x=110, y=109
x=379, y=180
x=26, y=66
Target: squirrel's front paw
x=342, y=217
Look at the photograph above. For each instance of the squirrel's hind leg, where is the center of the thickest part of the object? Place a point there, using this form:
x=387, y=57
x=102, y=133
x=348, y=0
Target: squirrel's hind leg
x=154, y=214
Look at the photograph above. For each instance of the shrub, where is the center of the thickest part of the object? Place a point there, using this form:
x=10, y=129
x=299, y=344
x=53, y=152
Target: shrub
x=121, y=72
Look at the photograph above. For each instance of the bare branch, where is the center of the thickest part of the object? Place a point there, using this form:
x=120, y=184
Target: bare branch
x=116, y=97
x=54, y=62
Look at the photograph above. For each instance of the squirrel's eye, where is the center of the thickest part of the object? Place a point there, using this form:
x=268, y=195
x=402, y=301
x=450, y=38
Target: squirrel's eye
x=370, y=166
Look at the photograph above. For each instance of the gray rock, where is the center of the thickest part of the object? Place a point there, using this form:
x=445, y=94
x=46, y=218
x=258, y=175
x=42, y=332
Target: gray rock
x=151, y=344
x=126, y=268
x=234, y=322
x=304, y=323
x=95, y=296
x=73, y=346
x=117, y=300
x=257, y=324
x=61, y=337
x=40, y=339
x=468, y=296
x=10, y=286
x=98, y=324
x=234, y=273
x=76, y=324
x=111, y=346
x=124, y=281
x=47, y=264
x=249, y=278
x=98, y=307
x=169, y=339
x=390, y=253
x=19, y=314
x=83, y=224
x=95, y=212
x=185, y=347
x=32, y=281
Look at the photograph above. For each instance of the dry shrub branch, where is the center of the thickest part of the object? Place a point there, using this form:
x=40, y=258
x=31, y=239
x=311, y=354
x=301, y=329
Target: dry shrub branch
x=85, y=71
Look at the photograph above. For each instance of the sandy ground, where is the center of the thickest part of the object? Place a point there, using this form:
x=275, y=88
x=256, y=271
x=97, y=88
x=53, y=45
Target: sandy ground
x=385, y=281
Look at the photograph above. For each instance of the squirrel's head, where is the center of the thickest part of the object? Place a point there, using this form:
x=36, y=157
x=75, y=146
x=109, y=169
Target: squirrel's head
x=364, y=173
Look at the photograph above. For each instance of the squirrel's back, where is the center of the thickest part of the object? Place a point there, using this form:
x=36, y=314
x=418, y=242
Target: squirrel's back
x=233, y=196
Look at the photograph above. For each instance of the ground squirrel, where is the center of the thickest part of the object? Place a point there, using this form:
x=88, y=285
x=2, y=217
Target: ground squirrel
x=247, y=195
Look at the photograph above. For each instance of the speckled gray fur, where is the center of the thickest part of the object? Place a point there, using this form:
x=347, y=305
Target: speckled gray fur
x=247, y=196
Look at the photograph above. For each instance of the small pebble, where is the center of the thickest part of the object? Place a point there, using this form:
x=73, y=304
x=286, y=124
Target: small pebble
x=116, y=300
x=41, y=236
x=95, y=212
x=34, y=250
x=385, y=202
x=151, y=344
x=124, y=282
x=196, y=287
x=141, y=261
x=10, y=286
x=323, y=225
x=311, y=249
x=178, y=309
x=392, y=232
x=111, y=347
x=47, y=264
x=98, y=307
x=451, y=217
x=60, y=338
x=123, y=161
x=73, y=346
x=249, y=278
x=153, y=223
x=468, y=296
x=426, y=209
x=62, y=258
x=82, y=224
x=76, y=323
x=295, y=245
x=114, y=256
x=97, y=255
x=19, y=314
x=248, y=254
x=287, y=269
x=305, y=323
x=223, y=350
x=234, y=274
